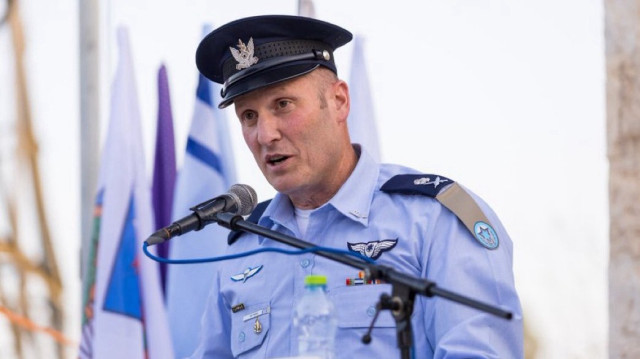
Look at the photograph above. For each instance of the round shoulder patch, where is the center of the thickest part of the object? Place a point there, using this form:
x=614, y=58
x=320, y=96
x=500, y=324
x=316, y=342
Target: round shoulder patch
x=486, y=235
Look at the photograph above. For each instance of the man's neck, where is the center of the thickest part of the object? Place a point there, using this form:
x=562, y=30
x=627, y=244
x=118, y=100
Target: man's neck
x=314, y=198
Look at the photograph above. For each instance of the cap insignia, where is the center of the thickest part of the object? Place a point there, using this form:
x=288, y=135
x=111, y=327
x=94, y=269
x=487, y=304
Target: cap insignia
x=244, y=54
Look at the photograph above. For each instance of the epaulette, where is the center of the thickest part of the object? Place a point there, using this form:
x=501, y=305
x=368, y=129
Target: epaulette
x=453, y=197
x=254, y=217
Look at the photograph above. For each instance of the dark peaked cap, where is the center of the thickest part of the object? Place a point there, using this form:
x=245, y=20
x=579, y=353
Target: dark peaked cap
x=254, y=52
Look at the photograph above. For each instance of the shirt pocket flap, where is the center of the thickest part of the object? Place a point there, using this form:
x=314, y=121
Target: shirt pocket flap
x=356, y=306
x=249, y=327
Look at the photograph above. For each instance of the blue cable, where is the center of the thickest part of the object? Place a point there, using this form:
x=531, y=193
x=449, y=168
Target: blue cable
x=250, y=253
x=256, y=251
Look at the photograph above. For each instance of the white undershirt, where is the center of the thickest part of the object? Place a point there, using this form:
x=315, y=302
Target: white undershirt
x=302, y=217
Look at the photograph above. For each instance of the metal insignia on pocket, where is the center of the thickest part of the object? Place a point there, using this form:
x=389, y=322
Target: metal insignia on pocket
x=257, y=326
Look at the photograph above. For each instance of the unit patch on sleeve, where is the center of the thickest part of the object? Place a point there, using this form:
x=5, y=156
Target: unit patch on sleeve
x=486, y=235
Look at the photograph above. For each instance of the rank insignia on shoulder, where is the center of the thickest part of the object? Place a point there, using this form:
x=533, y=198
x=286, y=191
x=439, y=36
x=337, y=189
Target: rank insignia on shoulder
x=425, y=181
x=373, y=249
x=425, y=184
x=452, y=196
x=248, y=273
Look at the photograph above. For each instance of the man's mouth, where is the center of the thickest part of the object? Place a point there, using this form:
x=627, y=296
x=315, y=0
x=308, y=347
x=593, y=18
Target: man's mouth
x=274, y=160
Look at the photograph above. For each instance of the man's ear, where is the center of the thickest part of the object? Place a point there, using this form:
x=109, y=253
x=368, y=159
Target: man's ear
x=342, y=101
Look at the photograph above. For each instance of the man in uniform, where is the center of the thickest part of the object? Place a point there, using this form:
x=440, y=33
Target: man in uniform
x=280, y=75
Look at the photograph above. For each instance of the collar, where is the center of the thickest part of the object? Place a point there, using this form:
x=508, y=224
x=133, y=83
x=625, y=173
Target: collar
x=353, y=199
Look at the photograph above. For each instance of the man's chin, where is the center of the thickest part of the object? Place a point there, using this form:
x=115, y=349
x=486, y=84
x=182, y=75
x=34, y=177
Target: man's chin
x=280, y=184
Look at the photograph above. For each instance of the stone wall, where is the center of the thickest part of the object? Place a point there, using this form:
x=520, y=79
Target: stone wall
x=622, y=32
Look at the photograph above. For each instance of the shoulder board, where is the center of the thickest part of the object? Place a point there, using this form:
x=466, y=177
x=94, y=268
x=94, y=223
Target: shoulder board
x=428, y=185
x=253, y=218
x=453, y=197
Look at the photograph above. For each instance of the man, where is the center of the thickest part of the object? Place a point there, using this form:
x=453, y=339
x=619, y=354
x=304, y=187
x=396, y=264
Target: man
x=279, y=73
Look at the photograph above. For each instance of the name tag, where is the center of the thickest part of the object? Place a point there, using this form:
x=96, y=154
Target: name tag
x=257, y=313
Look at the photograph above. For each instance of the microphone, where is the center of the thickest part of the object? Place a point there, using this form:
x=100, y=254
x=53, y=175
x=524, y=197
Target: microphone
x=240, y=200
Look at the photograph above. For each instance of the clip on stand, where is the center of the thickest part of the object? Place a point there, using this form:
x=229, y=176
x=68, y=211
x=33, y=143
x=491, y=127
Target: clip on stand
x=404, y=287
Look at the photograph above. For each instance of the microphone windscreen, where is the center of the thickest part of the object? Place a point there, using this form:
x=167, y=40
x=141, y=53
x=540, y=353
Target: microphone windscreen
x=247, y=198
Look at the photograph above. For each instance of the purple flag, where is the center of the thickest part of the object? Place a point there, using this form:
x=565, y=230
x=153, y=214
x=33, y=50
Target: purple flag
x=164, y=170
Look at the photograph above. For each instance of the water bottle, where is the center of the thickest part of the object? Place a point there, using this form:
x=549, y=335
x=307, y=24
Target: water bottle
x=315, y=320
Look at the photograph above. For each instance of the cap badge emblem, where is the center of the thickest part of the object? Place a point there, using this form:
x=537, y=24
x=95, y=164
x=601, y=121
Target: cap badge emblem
x=244, y=54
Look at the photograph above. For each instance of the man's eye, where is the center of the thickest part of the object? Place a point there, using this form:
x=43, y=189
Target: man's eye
x=249, y=116
x=283, y=103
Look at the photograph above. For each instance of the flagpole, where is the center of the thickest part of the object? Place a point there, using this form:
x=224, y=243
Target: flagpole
x=88, y=11
x=306, y=8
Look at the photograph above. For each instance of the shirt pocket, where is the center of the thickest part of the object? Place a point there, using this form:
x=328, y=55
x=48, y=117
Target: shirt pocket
x=249, y=327
x=356, y=306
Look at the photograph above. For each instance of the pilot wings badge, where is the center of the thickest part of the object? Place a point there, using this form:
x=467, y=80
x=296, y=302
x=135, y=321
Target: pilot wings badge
x=373, y=249
x=244, y=54
x=248, y=273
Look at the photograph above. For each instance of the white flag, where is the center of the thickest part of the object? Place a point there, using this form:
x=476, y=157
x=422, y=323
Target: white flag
x=362, y=120
x=124, y=314
x=207, y=172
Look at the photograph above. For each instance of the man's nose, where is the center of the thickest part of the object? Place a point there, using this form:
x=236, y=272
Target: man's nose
x=268, y=129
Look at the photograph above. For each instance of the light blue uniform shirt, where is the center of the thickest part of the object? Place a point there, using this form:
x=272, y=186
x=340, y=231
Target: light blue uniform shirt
x=432, y=243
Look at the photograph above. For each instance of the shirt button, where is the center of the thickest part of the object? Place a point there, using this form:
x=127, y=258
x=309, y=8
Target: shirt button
x=241, y=337
x=371, y=311
x=305, y=263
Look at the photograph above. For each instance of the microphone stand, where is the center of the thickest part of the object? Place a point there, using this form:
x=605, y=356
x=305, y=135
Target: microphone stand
x=404, y=287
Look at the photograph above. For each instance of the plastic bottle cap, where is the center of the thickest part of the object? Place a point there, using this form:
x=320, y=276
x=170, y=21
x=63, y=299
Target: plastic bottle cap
x=315, y=279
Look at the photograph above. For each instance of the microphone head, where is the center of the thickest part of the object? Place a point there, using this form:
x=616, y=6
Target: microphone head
x=245, y=197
